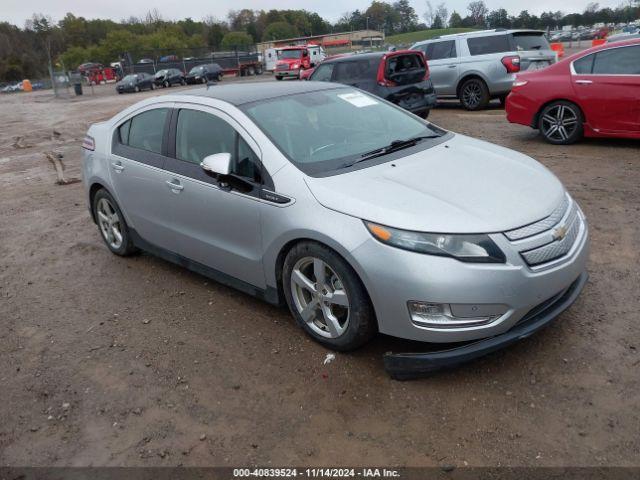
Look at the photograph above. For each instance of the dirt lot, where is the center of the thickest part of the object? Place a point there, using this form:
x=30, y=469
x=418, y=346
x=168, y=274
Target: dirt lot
x=112, y=361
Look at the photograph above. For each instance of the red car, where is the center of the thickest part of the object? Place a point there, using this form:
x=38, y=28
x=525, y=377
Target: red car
x=595, y=93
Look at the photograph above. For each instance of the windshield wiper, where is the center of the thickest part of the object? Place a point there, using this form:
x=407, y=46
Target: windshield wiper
x=392, y=147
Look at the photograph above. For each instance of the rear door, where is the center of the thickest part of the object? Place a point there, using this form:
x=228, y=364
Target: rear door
x=534, y=50
x=443, y=65
x=138, y=156
x=608, y=85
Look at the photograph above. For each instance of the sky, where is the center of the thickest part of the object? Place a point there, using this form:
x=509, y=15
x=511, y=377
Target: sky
x=17, y=11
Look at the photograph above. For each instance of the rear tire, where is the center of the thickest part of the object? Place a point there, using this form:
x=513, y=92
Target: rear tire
x=166, y=84
x=560, y=123
x=278, y=78
x=112, y=225
x=474, y=94
x=136, y=89
x=326, y=297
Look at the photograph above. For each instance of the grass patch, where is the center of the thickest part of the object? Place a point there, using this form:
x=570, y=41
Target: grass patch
x=412, y=37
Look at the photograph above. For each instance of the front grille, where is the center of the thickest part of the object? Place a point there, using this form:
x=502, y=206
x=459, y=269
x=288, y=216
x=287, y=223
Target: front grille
x=282, y=66
x=547, y=241
x=542, y=225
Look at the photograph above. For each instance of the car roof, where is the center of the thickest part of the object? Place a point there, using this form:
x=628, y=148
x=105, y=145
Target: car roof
x=249, y=92
x=479, y=33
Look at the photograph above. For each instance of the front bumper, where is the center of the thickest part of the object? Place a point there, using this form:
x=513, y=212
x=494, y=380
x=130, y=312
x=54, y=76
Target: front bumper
x=515, y=286
x=404, y=366
x=288, y=73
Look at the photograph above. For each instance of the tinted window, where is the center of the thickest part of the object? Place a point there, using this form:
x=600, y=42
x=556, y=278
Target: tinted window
x=584, y=65
x=618, y=61
x=147, y=129
x=123, y=132
x=439, y=50
x=488, y=44
x=353, y=70
x=323, y=72
x=531, y=41
x=200, y=134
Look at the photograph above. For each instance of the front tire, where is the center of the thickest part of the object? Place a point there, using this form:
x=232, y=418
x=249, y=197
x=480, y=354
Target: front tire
x=278, y=78
x=560, y=123
x=136, y=89
x=326, y=297
x=474, y=94
x=112, y=225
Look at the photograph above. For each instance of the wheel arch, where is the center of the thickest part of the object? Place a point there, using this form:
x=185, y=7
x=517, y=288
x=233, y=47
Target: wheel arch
x=469, y=76
x=290, y=244
x=536, y=117
x=93, y=189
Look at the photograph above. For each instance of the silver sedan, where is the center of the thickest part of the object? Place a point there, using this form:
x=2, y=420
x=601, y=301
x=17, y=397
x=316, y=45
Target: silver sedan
x=361, y=217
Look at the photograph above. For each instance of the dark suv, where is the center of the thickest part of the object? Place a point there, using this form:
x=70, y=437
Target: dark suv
x=205, y=73
x=400, y=77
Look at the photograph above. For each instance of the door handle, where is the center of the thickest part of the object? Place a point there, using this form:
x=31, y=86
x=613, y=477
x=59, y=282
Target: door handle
x=584, y=82
x=174, y=186
x=451, y=66
x=117, y=166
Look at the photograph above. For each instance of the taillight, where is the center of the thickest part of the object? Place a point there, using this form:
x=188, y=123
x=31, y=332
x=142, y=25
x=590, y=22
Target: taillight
x=89, y=143
x=511, y=63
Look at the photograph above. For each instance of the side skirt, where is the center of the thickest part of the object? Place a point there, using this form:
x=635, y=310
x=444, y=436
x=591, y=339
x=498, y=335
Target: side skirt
x=270, y=295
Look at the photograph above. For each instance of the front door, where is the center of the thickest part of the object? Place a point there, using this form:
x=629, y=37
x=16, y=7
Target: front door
x=216, y=219
x=443, y=66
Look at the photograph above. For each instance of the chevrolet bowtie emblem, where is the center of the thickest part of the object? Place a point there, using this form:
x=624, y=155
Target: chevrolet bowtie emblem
x=560, y=232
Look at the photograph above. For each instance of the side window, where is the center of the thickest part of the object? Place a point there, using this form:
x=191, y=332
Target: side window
x=123, y=132
x=323, y=72
x=440, y=50
x=489, y=44
x=584, y=65
x=145, y=131
x=199, y=134
x=355, y=70
x=618, y=61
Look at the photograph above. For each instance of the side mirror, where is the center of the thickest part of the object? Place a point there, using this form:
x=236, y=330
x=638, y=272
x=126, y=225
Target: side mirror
x=218, y=163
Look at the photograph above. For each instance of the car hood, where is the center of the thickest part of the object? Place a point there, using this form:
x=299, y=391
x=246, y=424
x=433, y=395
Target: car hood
x=460, y=186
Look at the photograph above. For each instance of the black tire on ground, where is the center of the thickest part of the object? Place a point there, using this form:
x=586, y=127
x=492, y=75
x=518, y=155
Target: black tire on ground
x=503, y=100
x=167, y=84
x=278, y=78
x=136, y=89
x=153, y=86
x=425, y=113
x=561, y=123
x=219, y=77
x=362, y=324
x=204, y=79
x=183, y=82
x=127, y=247
x=474, y=94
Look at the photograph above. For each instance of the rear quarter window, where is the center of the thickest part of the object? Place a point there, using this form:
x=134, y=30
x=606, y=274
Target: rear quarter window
x=440, y=50
x=489, y=44
x=584, y=65
x=355, y=70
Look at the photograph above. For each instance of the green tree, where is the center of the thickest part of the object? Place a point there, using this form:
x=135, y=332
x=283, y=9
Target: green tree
x=498, y=19
x=455, y=20
x=236, y=40
x=407, y=17
x=279, y=31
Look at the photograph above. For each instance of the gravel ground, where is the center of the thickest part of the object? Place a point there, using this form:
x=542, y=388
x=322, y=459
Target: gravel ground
x=113, y=361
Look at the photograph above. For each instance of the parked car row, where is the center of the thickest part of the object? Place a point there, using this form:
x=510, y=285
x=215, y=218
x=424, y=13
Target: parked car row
x=168, y=77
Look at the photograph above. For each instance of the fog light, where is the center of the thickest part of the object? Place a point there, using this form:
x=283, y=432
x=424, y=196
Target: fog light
x=441, y=315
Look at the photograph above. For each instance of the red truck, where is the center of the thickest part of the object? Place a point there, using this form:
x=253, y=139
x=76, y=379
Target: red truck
x=292, y=61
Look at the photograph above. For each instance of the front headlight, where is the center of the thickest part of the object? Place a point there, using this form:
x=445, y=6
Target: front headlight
x=477, y=248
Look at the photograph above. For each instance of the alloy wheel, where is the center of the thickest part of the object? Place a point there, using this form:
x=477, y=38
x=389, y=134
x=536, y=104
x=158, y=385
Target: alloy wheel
x=319, y=297
x=559, y=123
x=472, y=94
x=110, y=224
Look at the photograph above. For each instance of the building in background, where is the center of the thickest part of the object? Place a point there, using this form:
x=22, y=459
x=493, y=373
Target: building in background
x=357, y=40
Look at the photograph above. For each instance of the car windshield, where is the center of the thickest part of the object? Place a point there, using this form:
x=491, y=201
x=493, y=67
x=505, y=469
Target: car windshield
x=531, y=41
x=327, y=130
x=196, y=69
x=160, y=73
x=130, y=78
x=290, y=54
